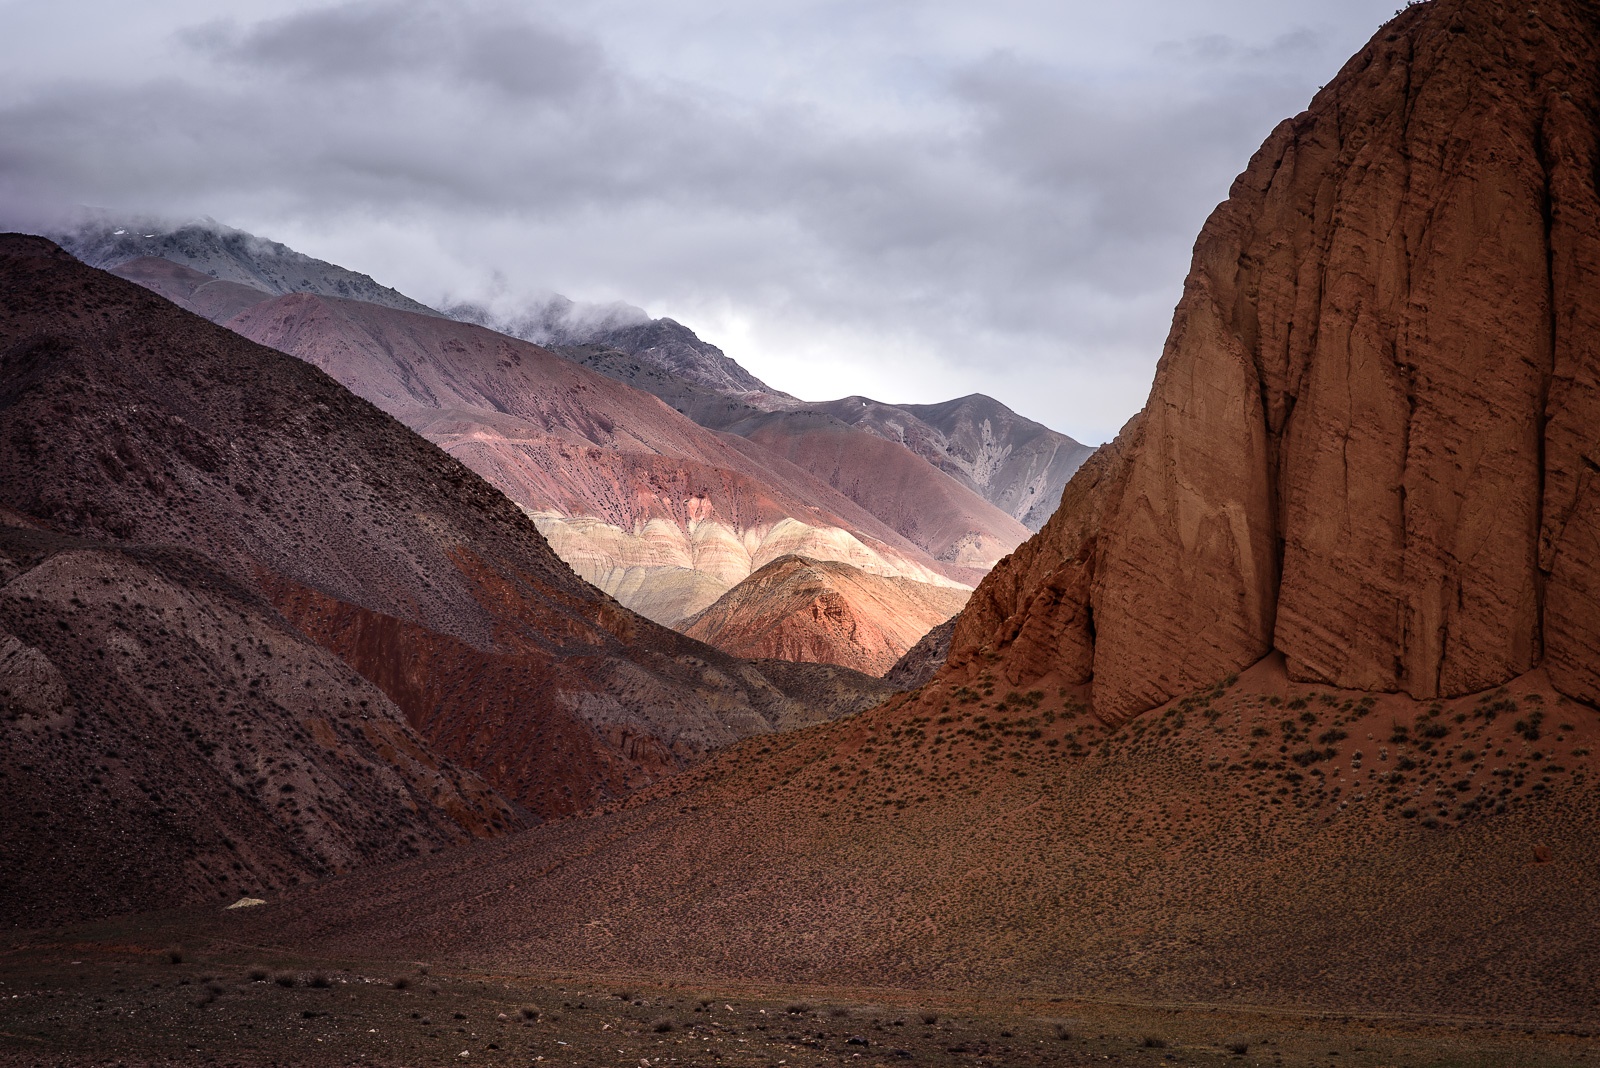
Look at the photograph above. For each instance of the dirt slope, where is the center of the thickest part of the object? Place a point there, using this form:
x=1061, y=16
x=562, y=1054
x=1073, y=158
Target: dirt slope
x=824, y=612
x=128, y=420
x=1420, y=862
x=169, y=740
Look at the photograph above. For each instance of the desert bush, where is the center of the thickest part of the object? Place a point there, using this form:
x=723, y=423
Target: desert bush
x=1062, y=1031
x=1236, y=1045
x=1152, y=1042
x=798, y=1009
x=174, y=955
x=401, y=983
x=663, y=1025
x=930, y=1018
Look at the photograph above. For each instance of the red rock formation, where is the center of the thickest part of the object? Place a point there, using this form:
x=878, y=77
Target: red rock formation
x=1369, y=444
x=824, y=612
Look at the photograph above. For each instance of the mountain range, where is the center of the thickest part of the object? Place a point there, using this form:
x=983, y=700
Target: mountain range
x=684, y=503
x=1287, y=712
x=1290, y=703
x=239, y=590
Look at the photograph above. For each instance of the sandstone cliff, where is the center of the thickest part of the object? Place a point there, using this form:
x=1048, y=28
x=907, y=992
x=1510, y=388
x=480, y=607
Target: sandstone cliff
x=1369, y=444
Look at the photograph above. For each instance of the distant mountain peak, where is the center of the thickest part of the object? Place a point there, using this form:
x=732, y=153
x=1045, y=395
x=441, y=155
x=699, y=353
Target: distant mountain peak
x=226, y=254
x=557, y=322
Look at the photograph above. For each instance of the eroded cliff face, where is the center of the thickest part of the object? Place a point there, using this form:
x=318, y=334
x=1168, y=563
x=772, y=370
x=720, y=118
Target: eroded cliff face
x=1371, y=440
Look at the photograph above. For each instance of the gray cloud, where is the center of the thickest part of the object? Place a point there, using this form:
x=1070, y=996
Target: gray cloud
x=924, y=204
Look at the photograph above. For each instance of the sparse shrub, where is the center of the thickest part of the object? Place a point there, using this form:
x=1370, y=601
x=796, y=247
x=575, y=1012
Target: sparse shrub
x=930, y=1018
x=319, y=982
x=664, y=1025
x=530, y=1014
x=259, y=975
x=1152, y=1042
x=798, y=1009
x=1062, y=1031
x=174, y=955
x=1409, y=812
x=838, y=1012
x=286, y=980
x=401, y=983
x=1236, y=1045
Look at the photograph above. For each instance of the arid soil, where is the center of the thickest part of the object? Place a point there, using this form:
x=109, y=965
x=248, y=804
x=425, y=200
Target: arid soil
x=1369, y=443
x=112, y=994
x=1257, y=843
x=824, y=612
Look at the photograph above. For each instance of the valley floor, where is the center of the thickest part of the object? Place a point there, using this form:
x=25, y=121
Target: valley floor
x=164, y=991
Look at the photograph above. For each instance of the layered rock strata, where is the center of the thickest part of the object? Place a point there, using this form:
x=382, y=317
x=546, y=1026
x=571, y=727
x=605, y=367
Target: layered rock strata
x=1369, y=444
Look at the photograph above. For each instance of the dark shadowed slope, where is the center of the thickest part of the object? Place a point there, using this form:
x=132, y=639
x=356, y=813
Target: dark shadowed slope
x=128, y=420
x=169, y=740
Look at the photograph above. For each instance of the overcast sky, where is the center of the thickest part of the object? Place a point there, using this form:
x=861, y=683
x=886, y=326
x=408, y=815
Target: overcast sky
x=907, y=200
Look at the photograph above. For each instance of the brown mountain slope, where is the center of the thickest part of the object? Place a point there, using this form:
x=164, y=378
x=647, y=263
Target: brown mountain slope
x=824, y=612
x=1369, y=443
x=631, y=493
x=213, y=298
x=1013, y=463
x=1013, y=843
x=168, y=740
x=127, y=419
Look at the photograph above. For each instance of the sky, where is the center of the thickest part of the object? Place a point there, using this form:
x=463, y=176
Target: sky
x=907, y=201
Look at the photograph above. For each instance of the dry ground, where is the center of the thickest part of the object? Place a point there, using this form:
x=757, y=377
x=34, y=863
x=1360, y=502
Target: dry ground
x=113, y=994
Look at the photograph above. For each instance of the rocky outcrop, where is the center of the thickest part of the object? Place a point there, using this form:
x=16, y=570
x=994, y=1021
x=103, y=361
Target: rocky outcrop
x=824, y=612
x=923, y=660
x=1369, y=442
